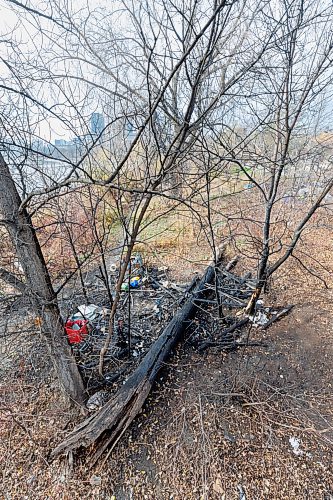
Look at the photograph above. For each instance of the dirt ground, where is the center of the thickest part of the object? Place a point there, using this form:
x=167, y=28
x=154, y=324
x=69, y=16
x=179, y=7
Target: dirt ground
x=256, y=423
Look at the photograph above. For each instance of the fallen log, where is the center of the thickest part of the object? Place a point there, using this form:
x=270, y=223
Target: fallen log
x=105, y=428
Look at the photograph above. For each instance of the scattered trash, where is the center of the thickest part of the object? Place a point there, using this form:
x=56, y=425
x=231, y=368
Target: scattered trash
x=242, y=495
x=113, y=268
x=114, y=264
x=296, y=444
x=76, y=330
x=135, y=282
x=95, y=480
x=148, y=309
x=266, y=316
x=88, y=312
x=259, y=319
x=88, y=315
x=158, y=301
x=137, y=264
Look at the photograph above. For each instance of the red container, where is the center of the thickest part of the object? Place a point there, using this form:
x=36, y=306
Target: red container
x=76, y=336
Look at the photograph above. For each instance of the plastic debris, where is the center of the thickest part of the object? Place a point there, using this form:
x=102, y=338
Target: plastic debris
x=95, y=480
x=242, y=495
x=135, y=282
x=89, y=312
x=114, y=264
x=76, y=330
x=137, y=264
x=77, y=325
x=259, y=319
x=296, y=446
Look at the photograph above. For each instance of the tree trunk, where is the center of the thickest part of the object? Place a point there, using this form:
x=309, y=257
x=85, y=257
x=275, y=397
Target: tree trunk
x=38, y=284
x=11, y=279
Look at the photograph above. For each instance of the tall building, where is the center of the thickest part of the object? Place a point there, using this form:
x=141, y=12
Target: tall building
x=130, y=131
x=96, y=123
x=60, y=142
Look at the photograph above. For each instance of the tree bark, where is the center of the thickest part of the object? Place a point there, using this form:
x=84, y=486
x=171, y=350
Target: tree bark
x=38, y=284
x=11, y=279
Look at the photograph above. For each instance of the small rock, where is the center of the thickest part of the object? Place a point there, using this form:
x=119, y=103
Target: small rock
x=95, y=481
x=229, y=437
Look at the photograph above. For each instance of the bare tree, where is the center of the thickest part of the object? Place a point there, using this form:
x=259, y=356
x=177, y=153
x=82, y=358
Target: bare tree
x=40, y=290
x=199, y=101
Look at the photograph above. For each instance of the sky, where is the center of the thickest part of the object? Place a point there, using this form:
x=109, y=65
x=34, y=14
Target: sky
x=7, y=17
x=51, y=128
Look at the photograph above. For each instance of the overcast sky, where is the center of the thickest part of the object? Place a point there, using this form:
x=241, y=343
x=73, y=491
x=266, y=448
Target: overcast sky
x=24, y=32
x=8, y=22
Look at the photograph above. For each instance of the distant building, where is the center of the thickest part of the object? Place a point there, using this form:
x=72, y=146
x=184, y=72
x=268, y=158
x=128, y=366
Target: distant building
x=42, y=147
x=60, y=142
x=130, y=130
x=97, y=123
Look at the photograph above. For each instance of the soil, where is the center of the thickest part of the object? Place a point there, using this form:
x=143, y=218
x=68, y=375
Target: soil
x=256, y=423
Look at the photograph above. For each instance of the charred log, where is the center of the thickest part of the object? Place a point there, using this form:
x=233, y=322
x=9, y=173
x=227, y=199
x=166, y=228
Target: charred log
x=104, y=429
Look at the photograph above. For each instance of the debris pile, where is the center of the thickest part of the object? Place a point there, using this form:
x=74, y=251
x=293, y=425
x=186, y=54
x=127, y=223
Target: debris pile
x=148, y=299
x=152, y=317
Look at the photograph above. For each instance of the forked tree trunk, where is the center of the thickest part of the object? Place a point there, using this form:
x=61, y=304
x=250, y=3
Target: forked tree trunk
x=38, y=284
